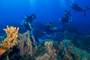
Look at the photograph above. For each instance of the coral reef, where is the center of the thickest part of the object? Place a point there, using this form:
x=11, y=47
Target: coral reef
x=44, y=57
x=48, y=49
x=71, y=52
x=79, y=40
x=64, y=50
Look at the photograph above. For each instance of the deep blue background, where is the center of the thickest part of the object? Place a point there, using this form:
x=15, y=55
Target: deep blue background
x=13, y=11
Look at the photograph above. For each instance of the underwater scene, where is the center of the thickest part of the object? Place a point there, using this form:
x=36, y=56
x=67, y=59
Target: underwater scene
x=44, y=29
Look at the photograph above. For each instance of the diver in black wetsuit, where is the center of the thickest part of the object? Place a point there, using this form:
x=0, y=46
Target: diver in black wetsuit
x=78, y=8
x=50, y=29
x=27, y=21
x=67, y=17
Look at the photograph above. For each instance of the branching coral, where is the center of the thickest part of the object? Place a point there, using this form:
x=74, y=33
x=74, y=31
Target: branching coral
x=10, y=41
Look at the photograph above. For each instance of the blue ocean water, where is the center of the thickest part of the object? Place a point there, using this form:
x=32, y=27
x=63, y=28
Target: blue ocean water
x=12, y=13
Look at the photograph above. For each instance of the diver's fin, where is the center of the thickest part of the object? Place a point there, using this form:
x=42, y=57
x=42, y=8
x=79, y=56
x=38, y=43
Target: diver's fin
x=87, y=8
x=84, y=13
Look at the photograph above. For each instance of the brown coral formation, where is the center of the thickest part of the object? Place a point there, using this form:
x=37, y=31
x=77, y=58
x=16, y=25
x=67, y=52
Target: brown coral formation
x=27, y=44
x=49, y=46
x=44, y=57
x=50, y=51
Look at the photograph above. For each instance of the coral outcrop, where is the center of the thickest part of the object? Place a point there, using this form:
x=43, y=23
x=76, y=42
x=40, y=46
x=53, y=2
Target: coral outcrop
x=50, y=51
x=10, y=41
x=26, y=44
x=12, y=34
x=44, y=57
x=45, y=50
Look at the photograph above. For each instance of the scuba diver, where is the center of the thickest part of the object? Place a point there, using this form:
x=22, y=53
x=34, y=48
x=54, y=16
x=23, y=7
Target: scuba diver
x=67, y=17
x=78, y=8
x=27, y=23
x=50, y=30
